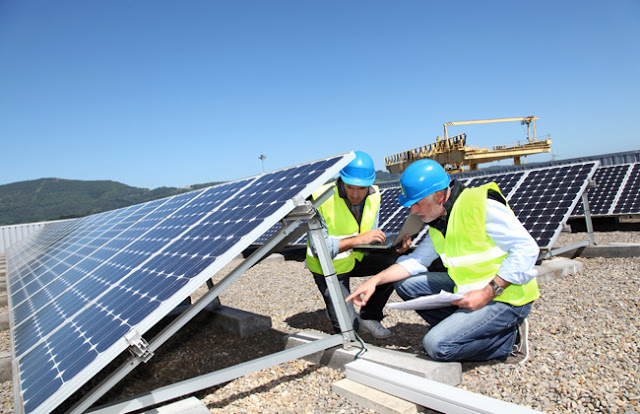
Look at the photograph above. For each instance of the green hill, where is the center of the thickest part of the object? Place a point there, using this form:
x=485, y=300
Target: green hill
x=53, y=198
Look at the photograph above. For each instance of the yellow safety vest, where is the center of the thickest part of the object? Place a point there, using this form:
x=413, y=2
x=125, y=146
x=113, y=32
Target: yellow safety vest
x=467, y=251
x=341, y=224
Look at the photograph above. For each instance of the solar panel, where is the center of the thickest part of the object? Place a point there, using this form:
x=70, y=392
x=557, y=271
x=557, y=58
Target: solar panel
x=79, y=287
x=628, y=201
x=542, y=198
x=615, y=193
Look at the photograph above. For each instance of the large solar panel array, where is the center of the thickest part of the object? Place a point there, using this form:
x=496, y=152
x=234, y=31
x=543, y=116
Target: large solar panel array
x=541, y=198
x=80, y=286
x=617, y=191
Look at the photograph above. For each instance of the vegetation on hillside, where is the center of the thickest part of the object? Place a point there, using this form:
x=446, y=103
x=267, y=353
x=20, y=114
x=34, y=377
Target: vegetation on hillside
x=53, y=198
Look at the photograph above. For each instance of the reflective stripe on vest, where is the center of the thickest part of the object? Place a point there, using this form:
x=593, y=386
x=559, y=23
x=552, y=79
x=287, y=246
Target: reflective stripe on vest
x=473, y=259
x=469, y=254
x=341, y=224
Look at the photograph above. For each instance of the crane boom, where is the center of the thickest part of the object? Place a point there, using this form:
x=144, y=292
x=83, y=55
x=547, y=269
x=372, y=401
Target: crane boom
x=525, y=120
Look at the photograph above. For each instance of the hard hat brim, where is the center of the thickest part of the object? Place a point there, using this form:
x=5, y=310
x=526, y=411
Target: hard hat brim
x=360, y=182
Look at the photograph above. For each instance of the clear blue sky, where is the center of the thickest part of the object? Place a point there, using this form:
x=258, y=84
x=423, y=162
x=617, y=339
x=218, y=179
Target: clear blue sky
x=171, y=93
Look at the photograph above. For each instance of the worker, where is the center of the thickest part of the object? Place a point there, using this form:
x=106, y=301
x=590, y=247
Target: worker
x=349, y=218
x=487, y=255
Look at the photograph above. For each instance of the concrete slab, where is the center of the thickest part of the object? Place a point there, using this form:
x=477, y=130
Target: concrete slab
x=446, y=372
x=557, y=267
x=191, y=405
x=239, y=322
x=371, y=398
x=4, y=322
x=6, y=370
x=607, y=250
x=273, y=258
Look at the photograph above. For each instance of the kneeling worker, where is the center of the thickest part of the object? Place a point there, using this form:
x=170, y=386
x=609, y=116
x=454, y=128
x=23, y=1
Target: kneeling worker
x=349, y=218
x=483, y=245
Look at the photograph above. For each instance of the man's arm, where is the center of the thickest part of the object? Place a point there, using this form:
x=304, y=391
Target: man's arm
x=393, y=273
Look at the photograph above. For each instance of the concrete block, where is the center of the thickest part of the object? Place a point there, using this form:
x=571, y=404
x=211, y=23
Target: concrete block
x=191, y=405
x=379, y=401
x=239, y=322
x=4, y=322
x=557, y=267
x=337, y=357
x=612, y=250
x=273, y=258
x=6, y=368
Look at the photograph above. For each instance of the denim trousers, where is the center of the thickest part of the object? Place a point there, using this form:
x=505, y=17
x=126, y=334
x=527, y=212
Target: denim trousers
x=459, y=334
x=370, y=265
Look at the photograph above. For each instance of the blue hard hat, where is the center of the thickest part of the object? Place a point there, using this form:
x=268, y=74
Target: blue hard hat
x=360, y=171
x=420, y=179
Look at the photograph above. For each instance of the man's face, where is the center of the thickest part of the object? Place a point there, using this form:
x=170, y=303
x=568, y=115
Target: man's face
x=355, y=194
x=430, y=207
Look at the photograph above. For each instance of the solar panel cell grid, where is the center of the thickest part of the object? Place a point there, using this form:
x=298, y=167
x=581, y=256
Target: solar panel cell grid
x=541, y=198
x=629, y=197
x=79, y=288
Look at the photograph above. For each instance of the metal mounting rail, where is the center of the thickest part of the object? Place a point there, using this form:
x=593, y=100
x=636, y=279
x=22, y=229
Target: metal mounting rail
x=428, y=393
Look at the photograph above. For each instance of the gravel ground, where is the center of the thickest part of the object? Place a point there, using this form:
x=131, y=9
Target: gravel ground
x=583, y=339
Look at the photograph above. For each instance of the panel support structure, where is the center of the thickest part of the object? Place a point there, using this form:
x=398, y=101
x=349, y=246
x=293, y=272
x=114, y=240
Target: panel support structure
x=337, y=299
x=208, y=380
x=587, y=216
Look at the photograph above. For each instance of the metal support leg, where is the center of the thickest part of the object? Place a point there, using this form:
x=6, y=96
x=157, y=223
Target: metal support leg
x=315, y=232
x=587, y=218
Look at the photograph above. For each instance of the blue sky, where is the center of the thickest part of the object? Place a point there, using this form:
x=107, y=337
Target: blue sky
x=171, y=93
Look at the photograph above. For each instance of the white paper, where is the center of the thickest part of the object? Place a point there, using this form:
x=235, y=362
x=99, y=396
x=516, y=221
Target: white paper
x=441, y=300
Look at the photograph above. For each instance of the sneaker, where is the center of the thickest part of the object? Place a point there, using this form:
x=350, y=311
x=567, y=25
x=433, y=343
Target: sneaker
x=374, y=328
x=520, y=352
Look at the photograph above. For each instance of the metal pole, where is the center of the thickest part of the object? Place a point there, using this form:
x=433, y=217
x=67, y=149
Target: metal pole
x=337, y=299
x=587, y=217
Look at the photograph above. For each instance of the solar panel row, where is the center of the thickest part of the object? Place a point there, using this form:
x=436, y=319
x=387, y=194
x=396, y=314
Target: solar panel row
x=541, y=198
x=78, y=287
x=617, y=191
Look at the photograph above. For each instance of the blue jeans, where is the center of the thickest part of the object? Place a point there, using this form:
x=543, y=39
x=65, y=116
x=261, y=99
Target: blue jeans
x=459, y=334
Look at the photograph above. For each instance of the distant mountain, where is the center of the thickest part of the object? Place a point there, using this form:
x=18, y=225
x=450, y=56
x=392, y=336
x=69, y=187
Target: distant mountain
x=53, y=198
x=382, y=176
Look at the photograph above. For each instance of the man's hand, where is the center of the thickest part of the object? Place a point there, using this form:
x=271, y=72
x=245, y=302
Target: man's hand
x=361, y=295
x=371, y=236
x=405, y=245
x=475, y=299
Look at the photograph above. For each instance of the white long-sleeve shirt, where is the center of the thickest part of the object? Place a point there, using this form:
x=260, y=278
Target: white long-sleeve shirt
x=506, y=231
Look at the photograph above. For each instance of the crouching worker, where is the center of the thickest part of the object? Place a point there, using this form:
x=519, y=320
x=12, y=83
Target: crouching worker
x=487, y=253
x=350, y=217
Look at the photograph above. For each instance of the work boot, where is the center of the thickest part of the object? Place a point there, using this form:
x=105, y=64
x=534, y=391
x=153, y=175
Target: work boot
x=520, y=352
x=374, y=328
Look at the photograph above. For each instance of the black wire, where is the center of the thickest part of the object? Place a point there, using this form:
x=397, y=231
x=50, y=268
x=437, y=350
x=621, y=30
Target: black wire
x=363, y=348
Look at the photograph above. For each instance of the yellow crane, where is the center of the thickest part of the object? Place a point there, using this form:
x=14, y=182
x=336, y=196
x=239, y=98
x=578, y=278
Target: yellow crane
x=455, y=156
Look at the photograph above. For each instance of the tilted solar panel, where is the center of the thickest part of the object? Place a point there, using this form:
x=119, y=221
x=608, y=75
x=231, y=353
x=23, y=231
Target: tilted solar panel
x=615, y=191
x=628, y=201
x=78, y=288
